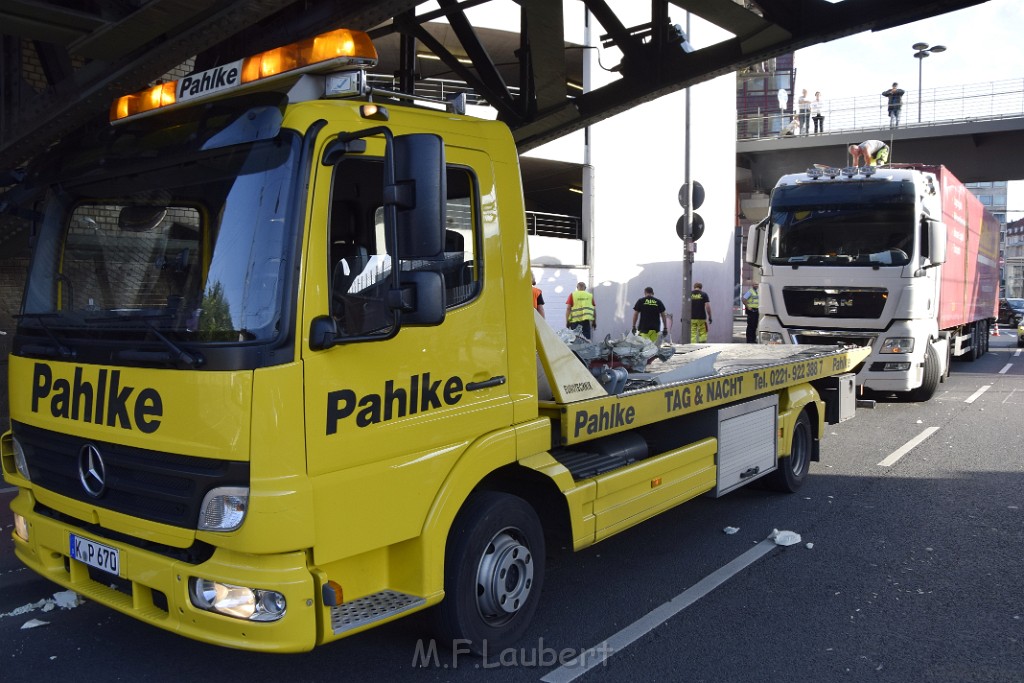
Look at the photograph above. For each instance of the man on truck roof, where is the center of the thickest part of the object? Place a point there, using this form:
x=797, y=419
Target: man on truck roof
x=873, y=153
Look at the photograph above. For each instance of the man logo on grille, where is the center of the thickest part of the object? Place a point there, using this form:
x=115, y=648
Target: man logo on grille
x=91, y=471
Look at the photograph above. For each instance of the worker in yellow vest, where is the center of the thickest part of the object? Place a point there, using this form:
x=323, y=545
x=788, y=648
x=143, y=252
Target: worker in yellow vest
x=580, y=310
x=752, y=305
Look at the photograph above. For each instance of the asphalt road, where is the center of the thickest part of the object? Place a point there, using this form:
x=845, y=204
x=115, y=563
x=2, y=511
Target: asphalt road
x=910, y=568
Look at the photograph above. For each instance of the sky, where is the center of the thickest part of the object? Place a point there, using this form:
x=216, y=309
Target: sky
x=982, y=45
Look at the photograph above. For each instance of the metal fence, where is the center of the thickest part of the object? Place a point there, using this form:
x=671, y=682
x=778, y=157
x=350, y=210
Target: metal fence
x=554, y=225
x=434, y=88
x=952, y=104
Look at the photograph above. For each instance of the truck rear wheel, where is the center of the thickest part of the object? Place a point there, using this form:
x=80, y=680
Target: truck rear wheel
x=494, y=573
x=930, y=378
x=793, y=469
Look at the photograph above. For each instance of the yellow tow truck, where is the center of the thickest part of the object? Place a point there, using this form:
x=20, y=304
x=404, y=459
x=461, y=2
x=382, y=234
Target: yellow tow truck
x=277, y=379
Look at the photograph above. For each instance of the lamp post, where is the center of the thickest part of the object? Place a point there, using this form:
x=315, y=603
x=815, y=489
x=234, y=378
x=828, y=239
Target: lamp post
x=922, y=51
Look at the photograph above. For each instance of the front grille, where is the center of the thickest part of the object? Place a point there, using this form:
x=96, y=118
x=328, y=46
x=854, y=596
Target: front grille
x=836, y=303
x=832, y=338
x=160, y=487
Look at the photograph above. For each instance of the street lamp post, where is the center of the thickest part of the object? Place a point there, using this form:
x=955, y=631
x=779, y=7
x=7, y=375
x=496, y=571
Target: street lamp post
x=922, y=51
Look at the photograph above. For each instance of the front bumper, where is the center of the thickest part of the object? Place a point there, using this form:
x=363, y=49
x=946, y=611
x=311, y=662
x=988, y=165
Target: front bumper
x=154, y=588
x=870, y=374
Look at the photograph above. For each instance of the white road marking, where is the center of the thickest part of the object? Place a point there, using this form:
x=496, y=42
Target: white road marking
x=907, y=447
x=1006, y=368
x=974, y=397
x=599, y=654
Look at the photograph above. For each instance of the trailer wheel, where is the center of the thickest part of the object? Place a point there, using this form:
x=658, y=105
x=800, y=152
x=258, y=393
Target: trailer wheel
x=494, y=573
x=793, y=469
x=930, y=379
x=976, y=342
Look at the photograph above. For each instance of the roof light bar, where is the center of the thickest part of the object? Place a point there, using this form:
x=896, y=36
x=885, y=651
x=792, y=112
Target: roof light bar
x=325, y=52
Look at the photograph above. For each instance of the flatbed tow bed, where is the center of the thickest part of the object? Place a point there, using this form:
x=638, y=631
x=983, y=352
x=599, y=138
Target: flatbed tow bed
x=695, y=377
x=698, y=422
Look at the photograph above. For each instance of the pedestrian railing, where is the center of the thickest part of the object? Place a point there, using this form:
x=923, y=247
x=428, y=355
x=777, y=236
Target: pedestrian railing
x=952, y=104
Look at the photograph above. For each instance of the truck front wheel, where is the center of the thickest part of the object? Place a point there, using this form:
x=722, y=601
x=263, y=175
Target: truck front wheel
x=930, y=378
x=494, y=572
x=792, y=470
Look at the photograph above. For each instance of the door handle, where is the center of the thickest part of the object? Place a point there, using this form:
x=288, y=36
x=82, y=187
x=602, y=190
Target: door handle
x=486, y=384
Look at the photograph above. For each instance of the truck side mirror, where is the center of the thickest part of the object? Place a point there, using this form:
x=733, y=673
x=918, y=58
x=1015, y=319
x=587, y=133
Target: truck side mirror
x=755, y=236
x=420, y=194
x=323, y=333
x=936, y=242
x=420, y=298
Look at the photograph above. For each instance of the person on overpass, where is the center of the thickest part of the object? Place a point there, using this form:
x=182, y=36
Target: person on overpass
x=870, y=152
x=895, y=96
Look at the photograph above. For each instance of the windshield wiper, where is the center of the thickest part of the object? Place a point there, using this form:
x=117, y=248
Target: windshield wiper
x=175, y=354
x=127, y=319
x=59, y=348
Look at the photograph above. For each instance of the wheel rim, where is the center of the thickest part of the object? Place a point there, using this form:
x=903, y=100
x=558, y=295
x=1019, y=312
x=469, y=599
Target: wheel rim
x=800, y=456
x=504, y=577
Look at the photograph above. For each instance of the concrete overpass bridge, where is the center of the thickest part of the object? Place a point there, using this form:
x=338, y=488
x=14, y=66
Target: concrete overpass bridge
x=976, y=130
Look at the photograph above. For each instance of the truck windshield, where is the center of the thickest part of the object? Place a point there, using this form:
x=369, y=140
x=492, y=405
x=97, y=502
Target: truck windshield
x=167, y=243
x=843, y=224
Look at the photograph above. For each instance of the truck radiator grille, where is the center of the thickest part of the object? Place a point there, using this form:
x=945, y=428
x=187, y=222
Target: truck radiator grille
x=160, y=487
x=822, y=302
x=832, y=338
x=371, y=609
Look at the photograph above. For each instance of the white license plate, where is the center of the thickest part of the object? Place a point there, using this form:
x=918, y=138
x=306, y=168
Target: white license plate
x=96, y=554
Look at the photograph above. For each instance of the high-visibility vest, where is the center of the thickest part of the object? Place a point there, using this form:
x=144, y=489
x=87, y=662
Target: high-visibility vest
x=536, y=295
x=752, y=300
x=582, y=307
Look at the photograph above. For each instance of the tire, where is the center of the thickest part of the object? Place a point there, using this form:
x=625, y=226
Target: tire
x=793, y=469
x=494, y=573
x=930, y=380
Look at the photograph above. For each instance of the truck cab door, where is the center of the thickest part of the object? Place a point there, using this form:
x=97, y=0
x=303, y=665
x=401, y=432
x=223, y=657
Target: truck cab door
x=390, y=413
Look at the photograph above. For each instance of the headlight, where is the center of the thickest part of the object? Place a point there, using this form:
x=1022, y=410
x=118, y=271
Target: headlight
x=240, y=602
x=19, y=459
x=769, y=337
x=224, y=509
x=897, y=345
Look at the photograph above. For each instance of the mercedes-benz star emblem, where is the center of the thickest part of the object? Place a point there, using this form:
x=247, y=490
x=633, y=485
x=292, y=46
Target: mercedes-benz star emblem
x=91, y=471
